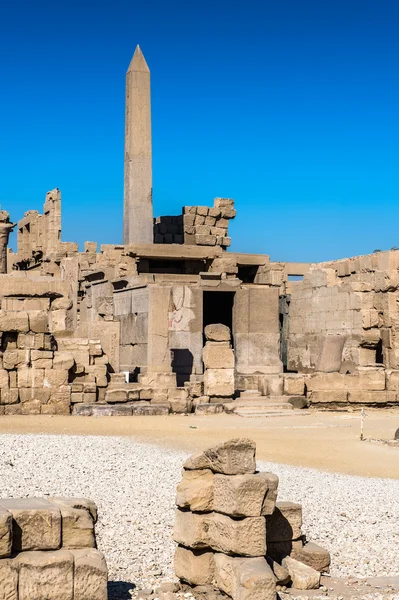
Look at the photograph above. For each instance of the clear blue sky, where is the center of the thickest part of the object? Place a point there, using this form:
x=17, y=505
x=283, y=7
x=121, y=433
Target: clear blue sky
x=291, y=107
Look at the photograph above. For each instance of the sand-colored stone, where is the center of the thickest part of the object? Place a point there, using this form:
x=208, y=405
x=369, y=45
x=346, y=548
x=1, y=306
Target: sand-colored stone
x=314, y=556
x=302, y=576
x=285, y=523
x=5, y=533
x=245, y=578
x=9, y=570
x=90, y=575
x=195, y=491
x=234, y=457
x=46, y=575
x=196, y=567
x=217, y=333
x=245, y=537
x=36, y=524
x=240, y=495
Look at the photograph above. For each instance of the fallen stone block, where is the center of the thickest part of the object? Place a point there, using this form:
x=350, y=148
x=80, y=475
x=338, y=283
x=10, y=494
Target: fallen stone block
x=285, y=523
x=245, y=578
x=269, y=502
x=314, y=556
x=63, y=360
x=209, y=408
x=302, y=576
x=196, y=567
x=36, y=524
x=195, y=491
x=281, y=574
x=90, y=579
x=150, y=410
x=46, y=575
x=245, y=537
x=234, y=457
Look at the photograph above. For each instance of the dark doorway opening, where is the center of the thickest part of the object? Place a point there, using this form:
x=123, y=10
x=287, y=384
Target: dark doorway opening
x=218, y=308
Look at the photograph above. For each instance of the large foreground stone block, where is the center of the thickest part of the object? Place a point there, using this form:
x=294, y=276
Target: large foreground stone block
x=90, y=575
x=36, y=524
x=234, y=457
x=46, y=575
x=240, y=495
x=245, y=578
x=219, y=382
x=195, y=491
x=217, y=333
x=285, y=523
x=9, y=569
x=5, y=533
x=245, y=537
x=196, y=567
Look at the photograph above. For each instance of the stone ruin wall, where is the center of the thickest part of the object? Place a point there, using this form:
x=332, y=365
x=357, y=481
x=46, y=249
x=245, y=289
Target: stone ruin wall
x=198, y=225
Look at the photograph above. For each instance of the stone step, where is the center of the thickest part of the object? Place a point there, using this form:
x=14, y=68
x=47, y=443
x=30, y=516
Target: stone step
x=265, y=412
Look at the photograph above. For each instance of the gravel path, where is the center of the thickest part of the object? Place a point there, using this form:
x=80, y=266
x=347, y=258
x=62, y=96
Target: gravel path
x=133, y=484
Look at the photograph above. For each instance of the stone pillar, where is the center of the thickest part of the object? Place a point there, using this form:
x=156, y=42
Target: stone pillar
x=5, y=229
x=52, y=220
x=138, y=219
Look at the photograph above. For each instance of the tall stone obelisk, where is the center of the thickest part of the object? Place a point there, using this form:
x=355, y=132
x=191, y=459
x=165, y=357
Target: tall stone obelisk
x=138, y=218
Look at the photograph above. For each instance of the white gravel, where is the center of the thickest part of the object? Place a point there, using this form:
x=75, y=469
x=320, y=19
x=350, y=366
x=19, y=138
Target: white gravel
x=133, y=484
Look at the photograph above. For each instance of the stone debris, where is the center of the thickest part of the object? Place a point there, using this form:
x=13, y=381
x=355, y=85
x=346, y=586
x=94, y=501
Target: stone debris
x=49, y=550
x=231, y=532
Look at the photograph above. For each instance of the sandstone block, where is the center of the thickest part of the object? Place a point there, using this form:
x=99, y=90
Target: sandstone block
x=46, y=575
x=281, y=574
x=217, y=356
x=205, y=240
x=14, y=320
x=28, y=378
x=367, y=397
x=245, y=537
x=9, y=396
x=77, y=527
x=34, y=393
x=38, y=321
x=195, y=491
x=89, y=397
x=294, y=385
x=285, y=523
x=79, y=503
x=63, y=360
x=324, y=397
x=209, y=409
x=55, y=377
x=36, y=524
x=239, y=495
x=3, y=379
x=245, y=578
x=219, y=382
x=116, y=395
x=76, y=397
x=234, y=457
x=314, y=556
x=302, y=576
x=9, y=571
x=14, y=359
x=5, y=533
x=149, y=410
x=180, y=406
x=41, y=359
x=55, y=409
x=194, y=566
x=217, y=333
x=90, y=575
x=13, y=409
x=31, y=408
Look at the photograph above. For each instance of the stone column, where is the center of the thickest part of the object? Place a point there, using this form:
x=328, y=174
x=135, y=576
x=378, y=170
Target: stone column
x=5, y=229
x=52, y=222
x=138, y=219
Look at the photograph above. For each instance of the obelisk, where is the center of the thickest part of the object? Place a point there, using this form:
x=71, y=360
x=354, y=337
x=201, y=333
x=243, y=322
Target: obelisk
x=138, y=219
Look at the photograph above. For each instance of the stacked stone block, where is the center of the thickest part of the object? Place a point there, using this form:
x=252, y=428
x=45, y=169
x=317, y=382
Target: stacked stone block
x=205, y=226
x=48, y=550
x=169, y=230
x=231, y=533
x=218, y=357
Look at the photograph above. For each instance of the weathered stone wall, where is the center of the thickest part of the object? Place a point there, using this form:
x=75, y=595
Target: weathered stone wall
x=48, y=550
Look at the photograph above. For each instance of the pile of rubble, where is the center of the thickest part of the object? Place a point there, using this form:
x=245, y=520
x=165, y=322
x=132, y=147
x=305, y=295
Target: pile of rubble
x=48, y=550
x=231, y=533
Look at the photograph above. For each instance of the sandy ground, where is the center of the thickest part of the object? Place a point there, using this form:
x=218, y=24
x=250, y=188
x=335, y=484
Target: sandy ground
x=323, y=440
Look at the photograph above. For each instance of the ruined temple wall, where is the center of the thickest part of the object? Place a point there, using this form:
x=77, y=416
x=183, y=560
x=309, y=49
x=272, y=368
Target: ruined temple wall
x=353, y=299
